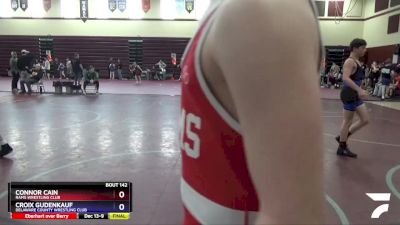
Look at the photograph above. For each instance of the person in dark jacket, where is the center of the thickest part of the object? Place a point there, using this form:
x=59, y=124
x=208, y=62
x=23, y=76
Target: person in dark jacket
x=25, y=63
x=77, y=69
x=5, y=148
x=386, y=78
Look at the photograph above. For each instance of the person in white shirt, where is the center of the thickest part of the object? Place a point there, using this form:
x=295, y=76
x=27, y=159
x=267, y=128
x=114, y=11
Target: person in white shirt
x=161, y=65
x=47, y=68
x=138, y=73
x=68, y=65
x=61, y=70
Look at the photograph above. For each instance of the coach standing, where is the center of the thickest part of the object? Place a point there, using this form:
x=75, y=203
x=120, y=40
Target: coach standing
x=25, y=64
x=77, y=69
x=14, y=71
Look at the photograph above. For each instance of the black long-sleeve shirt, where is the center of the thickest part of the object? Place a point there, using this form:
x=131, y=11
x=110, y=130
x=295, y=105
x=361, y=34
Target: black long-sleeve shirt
x=25, y=62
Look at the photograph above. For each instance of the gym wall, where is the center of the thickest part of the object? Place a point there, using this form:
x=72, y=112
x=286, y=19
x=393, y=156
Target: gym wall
x=340, y=21
x=355, y=21
x=376, y=28
x=358, y=19
x=340, y=32
x=368, y=19
x=97, y=28
x=381, y=45
x=35, y=21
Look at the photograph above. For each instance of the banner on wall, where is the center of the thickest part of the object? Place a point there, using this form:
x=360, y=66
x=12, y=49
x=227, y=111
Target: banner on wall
x=180, y=6
x=46, y=5
x=173, y=59
x=112, y=5
x=84, y=10
x=14, y=5
x=396, y=55
x=23, y=4
x=49, y=57
x=146, y=5
x=122, y=5
x=189, y=5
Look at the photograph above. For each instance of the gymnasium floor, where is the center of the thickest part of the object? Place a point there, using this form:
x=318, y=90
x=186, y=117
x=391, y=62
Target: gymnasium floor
x=168, y=87
x=115, y=137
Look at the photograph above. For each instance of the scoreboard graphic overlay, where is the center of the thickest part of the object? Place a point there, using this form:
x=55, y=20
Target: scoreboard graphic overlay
x=69, y=200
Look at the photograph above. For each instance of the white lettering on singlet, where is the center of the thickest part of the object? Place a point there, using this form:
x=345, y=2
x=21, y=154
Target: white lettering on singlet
x=385, y=70
x=188, y=120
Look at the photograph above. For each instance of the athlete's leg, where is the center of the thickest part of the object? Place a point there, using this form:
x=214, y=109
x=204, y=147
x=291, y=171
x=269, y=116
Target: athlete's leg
x=347, y=121
x=383, y=91
x=362, y=113
x=344, y=133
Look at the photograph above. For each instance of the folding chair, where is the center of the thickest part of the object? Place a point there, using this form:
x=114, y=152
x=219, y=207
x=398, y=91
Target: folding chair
x=91, y=88
x=39, y=86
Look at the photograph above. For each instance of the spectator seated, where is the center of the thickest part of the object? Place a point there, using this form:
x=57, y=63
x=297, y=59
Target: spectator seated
x=334, y=79
x=395, y=88
x=35, y=77
x=91, y=78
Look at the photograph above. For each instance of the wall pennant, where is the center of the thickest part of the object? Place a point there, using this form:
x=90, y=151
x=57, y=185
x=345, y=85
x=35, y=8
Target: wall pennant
x=146, y=5
x=14, y=5
x=23, y=4
x=46, y=5
x=122, y=5
x=112, y=5
x=189, y=5
x=84, y=10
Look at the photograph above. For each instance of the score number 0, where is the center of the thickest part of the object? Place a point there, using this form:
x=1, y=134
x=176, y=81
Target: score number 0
x=121, y=195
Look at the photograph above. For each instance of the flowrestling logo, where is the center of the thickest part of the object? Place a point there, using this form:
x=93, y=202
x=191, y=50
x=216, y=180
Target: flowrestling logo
x=379, y=197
